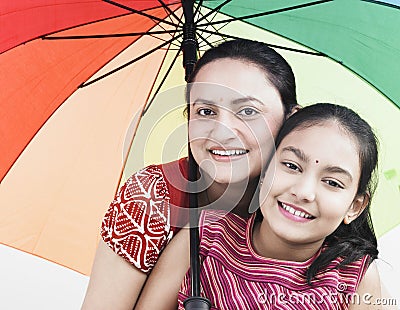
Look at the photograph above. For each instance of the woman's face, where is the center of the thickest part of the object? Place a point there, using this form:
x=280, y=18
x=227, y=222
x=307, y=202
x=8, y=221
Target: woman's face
x=235, y=114
x=310, y=187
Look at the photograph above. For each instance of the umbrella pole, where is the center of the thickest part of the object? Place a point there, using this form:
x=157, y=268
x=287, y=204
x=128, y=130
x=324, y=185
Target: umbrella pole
x=189, y=47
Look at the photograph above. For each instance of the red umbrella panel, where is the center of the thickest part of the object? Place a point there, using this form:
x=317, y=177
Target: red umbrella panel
x=24, y=20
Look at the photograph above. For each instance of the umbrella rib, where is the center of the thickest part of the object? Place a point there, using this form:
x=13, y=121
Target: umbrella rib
x=154, y=18
x=130, y=62
x=216, y=9
x=271, y=45
x=111, y=35
x=205, y=40
x=213, y=25
x=240, y=18
x=162, y=82
x=216, y=30
x=165, y=40
x=178, y=28
x=197, y=10
x=176, y=25
x=170, y=11
x=382, y=3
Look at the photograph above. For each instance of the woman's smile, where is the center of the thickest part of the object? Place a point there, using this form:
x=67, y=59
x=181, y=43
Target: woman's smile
x=228, y=154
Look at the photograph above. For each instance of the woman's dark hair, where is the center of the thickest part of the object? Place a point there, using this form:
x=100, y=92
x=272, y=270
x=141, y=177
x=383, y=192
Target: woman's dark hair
x=349, y=241
x=276, y=68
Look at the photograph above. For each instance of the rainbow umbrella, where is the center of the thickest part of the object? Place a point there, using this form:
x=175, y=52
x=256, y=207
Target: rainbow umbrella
x=77, y=78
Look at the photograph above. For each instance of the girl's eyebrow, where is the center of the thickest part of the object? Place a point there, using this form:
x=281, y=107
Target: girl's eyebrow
x=299, y=153
x=303, y=157
x=336, y=169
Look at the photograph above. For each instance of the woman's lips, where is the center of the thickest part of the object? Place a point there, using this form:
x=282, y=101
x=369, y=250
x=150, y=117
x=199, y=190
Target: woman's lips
x=227, y=154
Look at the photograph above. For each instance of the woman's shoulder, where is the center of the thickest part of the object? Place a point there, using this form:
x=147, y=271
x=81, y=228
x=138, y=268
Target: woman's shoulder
x=175, y=167
x=171, y=175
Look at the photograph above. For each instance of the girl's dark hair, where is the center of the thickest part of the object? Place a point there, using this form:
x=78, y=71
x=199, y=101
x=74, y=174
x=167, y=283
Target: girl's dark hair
x=276, y=68
x=354, y=240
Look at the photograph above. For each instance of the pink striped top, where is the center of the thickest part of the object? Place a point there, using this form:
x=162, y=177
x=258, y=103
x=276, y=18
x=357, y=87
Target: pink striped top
x=234, y=276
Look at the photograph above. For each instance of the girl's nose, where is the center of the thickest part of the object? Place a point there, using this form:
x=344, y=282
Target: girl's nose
x=304, y=189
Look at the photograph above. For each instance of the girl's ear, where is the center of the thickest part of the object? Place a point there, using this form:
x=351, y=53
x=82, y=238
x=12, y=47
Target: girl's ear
x=356, y=208
x=295, y=109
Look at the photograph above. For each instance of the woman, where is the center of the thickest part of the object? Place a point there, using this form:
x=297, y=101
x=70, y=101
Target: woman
x=240, y=94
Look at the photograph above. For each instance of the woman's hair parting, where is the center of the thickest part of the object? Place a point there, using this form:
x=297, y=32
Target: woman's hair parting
x=278, y=72
x=354, y=240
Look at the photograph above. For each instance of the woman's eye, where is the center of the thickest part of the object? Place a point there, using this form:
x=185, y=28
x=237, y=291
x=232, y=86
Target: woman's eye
x=205, y=112
x=248, y=112
x=291, y=166
x=333, y=183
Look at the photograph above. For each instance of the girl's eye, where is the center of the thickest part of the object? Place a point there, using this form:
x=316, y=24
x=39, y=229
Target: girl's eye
x=333, y=183
x=205, y=112
x=291, y=166
x=248, y=112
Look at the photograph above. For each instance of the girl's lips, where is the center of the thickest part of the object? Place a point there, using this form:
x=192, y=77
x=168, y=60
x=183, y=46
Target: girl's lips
x=294, y=213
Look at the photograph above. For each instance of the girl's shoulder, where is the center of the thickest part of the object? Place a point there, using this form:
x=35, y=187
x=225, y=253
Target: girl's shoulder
x=222, y=235
x=345, y=279
x=221, y=222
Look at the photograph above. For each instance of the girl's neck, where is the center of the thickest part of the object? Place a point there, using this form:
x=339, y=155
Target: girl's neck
x=266, y=244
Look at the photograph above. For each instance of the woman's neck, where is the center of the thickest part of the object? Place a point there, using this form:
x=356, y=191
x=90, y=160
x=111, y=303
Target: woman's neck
x=267, y=244
x=235, y=198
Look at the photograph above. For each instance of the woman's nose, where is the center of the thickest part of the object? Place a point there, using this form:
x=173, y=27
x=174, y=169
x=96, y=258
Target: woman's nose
x=225, y=127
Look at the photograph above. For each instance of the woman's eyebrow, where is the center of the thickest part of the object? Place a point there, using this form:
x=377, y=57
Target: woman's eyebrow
x=203, y=101
x=246, y=99
x=234, y=101
x=299, y=153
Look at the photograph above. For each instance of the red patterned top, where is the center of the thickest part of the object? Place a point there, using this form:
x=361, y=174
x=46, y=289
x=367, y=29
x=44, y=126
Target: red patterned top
x=146, y=212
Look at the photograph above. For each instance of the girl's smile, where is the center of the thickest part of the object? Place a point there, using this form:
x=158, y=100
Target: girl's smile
x=294, y=213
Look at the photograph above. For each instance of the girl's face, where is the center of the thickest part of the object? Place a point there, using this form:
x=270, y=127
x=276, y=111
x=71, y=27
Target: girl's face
x=235, y=114
x=313, y=182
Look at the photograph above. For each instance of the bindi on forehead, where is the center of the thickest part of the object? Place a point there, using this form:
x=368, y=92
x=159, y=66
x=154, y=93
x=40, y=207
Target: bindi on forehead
x=316, y=161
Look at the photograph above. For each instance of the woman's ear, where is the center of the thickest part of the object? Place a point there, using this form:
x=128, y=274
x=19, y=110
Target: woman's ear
x=293, y=110
x=356, y=208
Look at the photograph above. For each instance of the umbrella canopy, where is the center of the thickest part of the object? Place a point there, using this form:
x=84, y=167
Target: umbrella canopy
x=69, y=107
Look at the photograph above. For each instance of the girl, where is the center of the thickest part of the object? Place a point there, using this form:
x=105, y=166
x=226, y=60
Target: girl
x=232, y=132
x=311, y=243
